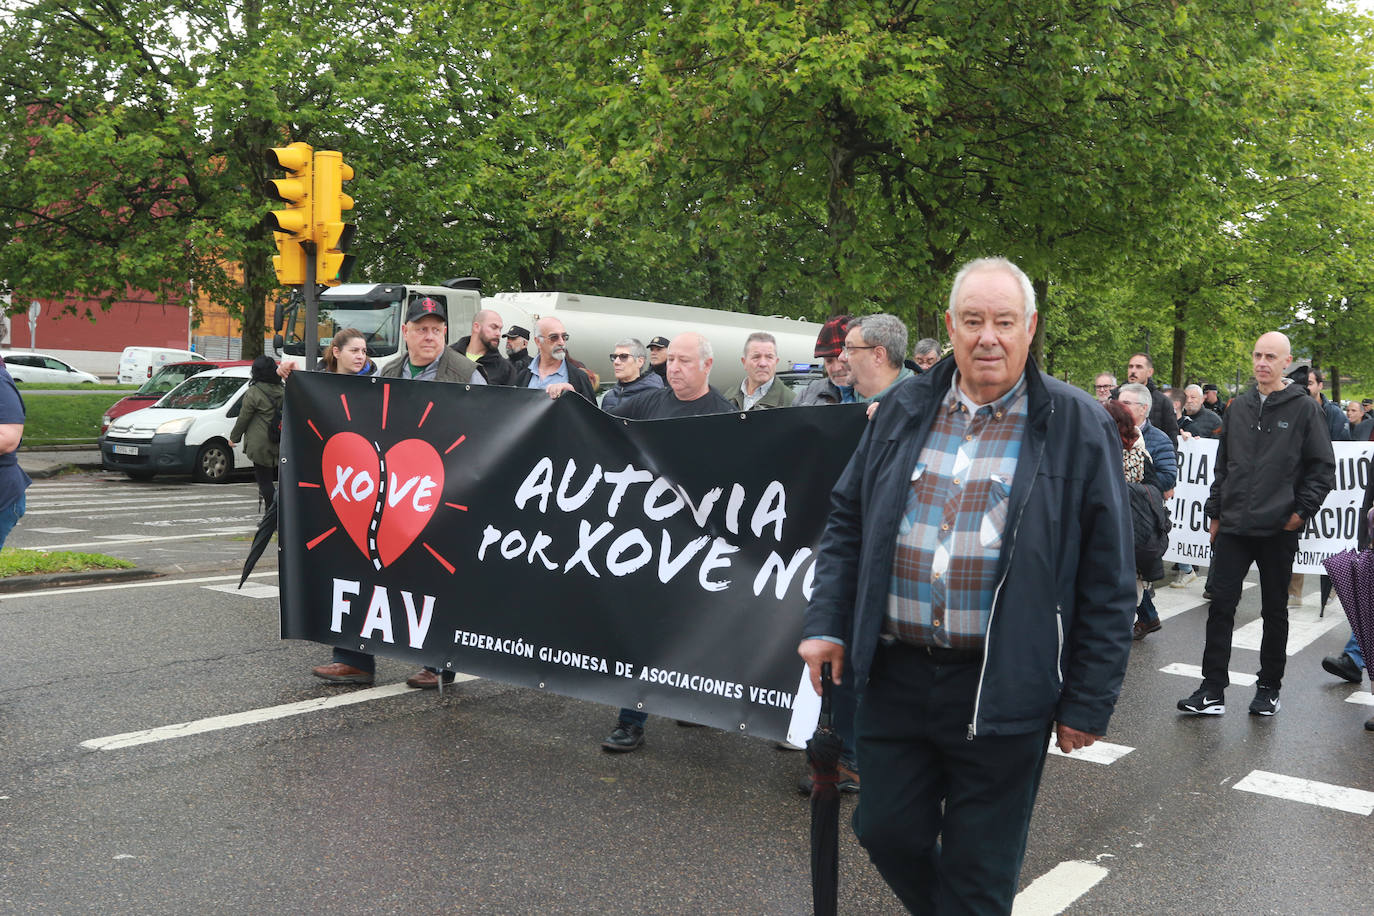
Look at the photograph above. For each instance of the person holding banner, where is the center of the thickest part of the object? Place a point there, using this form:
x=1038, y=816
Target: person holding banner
x=630, y=362
x=975, y=584
x=1273, y=469
x=553, y=369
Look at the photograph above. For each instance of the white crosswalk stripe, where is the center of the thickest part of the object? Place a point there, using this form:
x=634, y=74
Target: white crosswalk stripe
x=1308, y=791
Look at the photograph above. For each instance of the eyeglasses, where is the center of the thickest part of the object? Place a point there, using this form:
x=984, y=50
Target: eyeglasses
x=850, y=348
x=555, y=337
x=617, y=357
x=1103, y=387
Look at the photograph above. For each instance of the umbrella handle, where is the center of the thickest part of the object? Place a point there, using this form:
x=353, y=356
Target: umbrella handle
x=827, y=686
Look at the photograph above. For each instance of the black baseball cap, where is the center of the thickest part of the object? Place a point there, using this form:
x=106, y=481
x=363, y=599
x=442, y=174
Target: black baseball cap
x=425, y=307
x=658, y=342
x=517, y=331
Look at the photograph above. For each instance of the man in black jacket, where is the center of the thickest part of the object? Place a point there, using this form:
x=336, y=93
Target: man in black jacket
x=483, y=347
x=975, y=583
x=518, y=347
x=1273, y=469
x=1140, y=369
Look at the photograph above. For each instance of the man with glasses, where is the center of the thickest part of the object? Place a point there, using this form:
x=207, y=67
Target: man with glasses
x=874, y=350
x=630, y=362
x=1103, y=386
x=554, y=370
x=926, y=353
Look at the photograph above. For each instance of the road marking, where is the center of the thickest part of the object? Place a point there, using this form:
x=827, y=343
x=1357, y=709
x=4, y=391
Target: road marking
x=249, y=590
x=1101, y=752
x=55, y=530
x=104, y=507
x=252, y=716
x=111, y=540
x=1361, y=697
x=116, y=586
x=1304, y=627
x=1308, y=791
x=1195, y=672
x=1057, y=889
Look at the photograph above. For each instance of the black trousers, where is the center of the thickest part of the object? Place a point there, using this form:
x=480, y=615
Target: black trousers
x=944, y=818
x=1232, y=556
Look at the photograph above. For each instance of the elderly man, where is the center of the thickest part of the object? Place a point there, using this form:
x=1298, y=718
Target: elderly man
x=975, y=583
x=760, y=390
x=424, y=333
x=629, y=361
x=926, y=353
x=1140, y=370
x=835, y=387
x=1103, y=386
x=554, y=370
x=483, y=347
x=1164, y=468
x=874, y=351
x=689, y=394
x=1197, y=420
x=1273, y=469
x=658, y=357
x=518, y=347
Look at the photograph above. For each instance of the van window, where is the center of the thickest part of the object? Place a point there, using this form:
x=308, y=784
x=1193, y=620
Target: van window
x=203, y=392
x=168, y=377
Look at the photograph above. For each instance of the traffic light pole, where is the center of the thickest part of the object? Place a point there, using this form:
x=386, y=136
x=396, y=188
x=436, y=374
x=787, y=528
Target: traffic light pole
x=311, y=336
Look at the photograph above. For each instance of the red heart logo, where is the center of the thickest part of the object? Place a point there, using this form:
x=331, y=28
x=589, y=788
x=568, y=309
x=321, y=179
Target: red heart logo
x=414, y=488
x=351, y=472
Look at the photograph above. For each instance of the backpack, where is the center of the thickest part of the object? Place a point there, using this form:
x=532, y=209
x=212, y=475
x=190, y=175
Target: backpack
x=274, y=424
x=1151, y=526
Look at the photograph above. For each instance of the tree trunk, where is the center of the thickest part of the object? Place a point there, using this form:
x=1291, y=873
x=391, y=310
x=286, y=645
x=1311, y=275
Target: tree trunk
x=1180, y=342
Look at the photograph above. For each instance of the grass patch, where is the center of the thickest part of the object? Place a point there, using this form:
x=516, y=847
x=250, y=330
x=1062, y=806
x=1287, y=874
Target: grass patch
x=73, y=386
x=65, y=419
x=17, y=562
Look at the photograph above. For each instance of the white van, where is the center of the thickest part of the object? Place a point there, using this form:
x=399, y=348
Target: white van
x=138, y=364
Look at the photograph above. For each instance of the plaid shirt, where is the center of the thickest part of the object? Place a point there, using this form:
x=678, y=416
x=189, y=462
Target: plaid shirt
x=944, y=568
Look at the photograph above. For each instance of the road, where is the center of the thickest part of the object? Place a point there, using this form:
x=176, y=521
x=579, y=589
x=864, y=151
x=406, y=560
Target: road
x=497, y=799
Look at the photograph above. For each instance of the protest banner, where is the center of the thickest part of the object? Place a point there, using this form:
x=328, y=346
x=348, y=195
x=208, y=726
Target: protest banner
x=661, y=565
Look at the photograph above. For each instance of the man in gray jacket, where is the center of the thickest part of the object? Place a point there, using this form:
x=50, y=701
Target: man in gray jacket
x=1273, y=469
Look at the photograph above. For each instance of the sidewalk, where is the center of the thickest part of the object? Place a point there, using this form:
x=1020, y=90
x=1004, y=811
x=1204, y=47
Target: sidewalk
x=49, y=462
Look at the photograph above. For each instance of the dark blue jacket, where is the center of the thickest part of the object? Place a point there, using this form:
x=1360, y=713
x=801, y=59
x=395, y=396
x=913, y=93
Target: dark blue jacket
x=1060, y=631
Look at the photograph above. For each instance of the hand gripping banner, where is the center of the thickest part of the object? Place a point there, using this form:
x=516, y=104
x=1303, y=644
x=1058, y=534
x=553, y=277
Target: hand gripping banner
x=660, y=565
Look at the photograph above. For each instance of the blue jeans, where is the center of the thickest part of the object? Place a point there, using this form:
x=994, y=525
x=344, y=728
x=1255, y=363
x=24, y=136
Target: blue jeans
x=10, y=516
x=1352, y=649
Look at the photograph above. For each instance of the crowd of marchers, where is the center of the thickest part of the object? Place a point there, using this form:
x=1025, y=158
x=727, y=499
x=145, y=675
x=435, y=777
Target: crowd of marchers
x=979, y=581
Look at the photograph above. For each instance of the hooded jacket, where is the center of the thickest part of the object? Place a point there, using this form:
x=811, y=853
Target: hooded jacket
x=1274, y=458
x=1060, y=631
x=623, y=391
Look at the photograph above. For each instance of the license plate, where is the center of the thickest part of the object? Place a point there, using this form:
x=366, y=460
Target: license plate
x=126, y=449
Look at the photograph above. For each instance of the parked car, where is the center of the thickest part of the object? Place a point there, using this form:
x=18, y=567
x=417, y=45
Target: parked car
x=42, y=369
x=166, y=378
x=185, y=432
x=138, y=364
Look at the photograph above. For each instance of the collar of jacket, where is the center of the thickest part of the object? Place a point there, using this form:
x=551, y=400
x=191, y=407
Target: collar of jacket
x=1282, y=396
x=920, y=393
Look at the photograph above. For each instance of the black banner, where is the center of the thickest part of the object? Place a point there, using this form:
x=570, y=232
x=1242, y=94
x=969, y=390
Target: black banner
x=661, y=565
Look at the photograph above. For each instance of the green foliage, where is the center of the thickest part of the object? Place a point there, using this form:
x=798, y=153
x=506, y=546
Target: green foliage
x=65, y=419
x=17, y=562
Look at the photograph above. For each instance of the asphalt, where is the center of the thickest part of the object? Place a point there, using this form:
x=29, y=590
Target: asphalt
x=51, y=462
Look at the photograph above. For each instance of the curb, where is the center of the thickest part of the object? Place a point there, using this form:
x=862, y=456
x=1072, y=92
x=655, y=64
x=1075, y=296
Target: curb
x=35, y=581
x=58, y=470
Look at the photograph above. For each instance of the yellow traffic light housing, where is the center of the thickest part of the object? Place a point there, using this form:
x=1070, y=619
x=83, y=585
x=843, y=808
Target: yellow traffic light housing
x=330, y=201
x=294, y=225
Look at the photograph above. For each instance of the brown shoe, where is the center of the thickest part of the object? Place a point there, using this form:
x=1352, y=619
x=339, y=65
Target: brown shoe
x=339, y=673
x=424, y=679
x=1140, y=629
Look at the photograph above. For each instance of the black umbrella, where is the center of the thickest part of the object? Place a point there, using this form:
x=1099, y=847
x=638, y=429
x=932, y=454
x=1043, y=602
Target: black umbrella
x=823, y=754
x=266, y=528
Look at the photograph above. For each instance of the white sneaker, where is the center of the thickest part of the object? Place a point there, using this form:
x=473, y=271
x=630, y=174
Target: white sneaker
x=1182, y=579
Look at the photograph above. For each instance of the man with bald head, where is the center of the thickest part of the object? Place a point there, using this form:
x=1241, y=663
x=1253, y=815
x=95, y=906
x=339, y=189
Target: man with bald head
x=689, y=394
x=483, y=347
x=1274, y=467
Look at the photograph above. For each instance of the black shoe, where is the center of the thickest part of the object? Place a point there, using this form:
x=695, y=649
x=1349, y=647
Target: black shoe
x=1369, y=725
x=624, y=738
x=1343, y=666
x=1207, y=594
x=1204, y=702
x=1266, y=701
x=848, y=779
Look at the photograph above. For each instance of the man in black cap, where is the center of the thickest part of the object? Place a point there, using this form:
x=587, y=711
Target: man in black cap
x=518, y=347
x=1211, y=399
x=427, y=358
x=658, y=356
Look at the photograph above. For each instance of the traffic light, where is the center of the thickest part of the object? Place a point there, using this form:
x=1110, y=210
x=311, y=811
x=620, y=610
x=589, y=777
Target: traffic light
x=330, y=200
x=296, y=223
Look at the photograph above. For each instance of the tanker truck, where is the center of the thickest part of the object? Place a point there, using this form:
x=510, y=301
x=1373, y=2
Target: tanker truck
x=594, y=323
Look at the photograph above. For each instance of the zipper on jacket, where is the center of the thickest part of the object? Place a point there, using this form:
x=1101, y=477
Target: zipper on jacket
x=1059, y=653
x=997, y=592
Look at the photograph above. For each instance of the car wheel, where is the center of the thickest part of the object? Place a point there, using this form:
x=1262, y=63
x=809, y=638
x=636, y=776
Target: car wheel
x=214, y=461
x=140, y=475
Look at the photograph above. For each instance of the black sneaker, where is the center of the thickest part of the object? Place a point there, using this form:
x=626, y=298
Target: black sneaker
x=1266, y=701
x=624, y=738
x=1204, y=702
